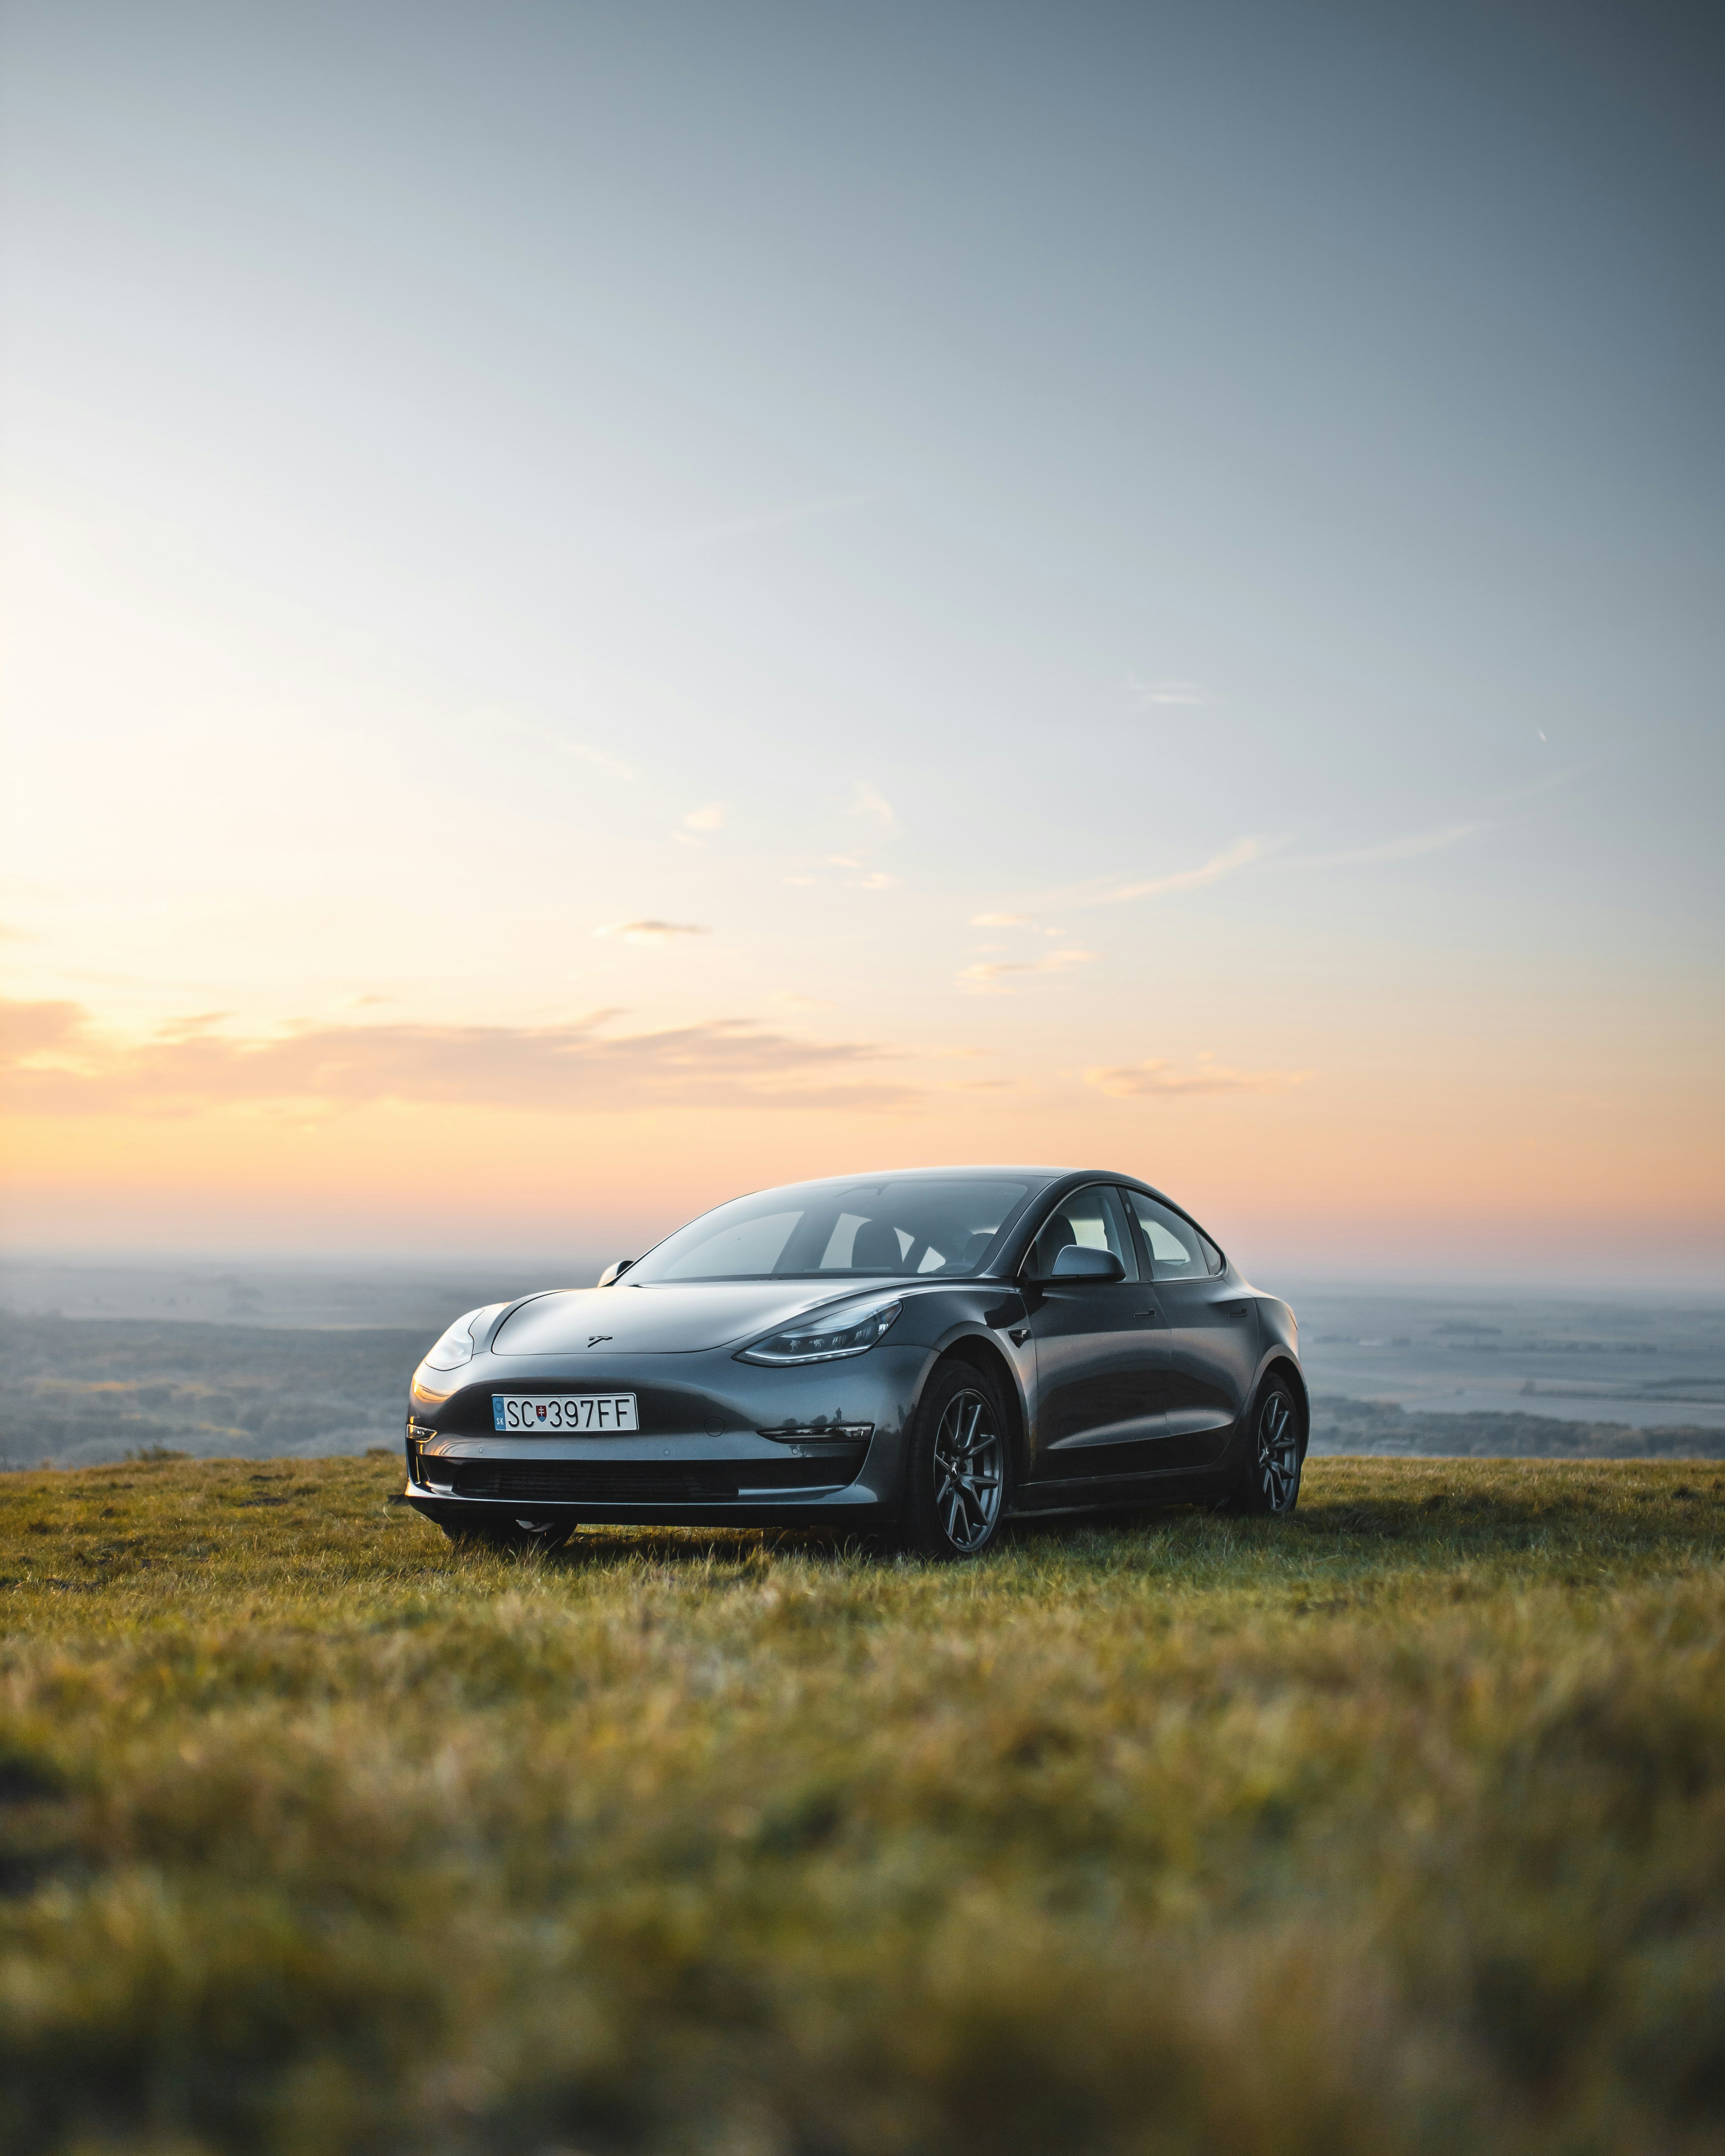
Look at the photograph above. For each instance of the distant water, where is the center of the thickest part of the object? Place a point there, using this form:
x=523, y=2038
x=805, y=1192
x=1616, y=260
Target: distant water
x=262, y=1359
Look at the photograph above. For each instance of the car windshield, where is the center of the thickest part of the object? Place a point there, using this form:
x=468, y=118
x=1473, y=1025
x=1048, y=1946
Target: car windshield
x=921, y=1226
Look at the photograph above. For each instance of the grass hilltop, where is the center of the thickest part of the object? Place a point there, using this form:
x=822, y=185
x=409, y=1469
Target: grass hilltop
x=1399, y=1826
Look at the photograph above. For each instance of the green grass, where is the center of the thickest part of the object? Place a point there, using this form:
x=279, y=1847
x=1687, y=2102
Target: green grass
x=1399, y=1826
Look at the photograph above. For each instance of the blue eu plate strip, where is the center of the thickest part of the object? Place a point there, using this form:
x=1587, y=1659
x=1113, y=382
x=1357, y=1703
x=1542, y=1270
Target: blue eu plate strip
x=497, y=1411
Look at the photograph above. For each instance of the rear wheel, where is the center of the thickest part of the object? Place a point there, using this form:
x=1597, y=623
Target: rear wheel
x=958, y=1472
x=1267, y=1479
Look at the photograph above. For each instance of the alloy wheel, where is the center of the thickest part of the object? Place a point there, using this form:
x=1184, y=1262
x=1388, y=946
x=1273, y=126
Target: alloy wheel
x=1279, y=1451
x=969, y=1464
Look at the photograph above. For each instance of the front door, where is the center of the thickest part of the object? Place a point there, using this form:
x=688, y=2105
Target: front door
x=1100, y=1366
x=1212, y=1335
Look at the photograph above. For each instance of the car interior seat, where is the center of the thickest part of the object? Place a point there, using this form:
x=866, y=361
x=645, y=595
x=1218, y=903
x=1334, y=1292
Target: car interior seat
x=875, y=1249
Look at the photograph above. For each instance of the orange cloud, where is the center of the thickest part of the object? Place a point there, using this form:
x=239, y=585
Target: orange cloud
x=989, y=978
x=651, y=931
x=1123, y=1080
x=53, y=1063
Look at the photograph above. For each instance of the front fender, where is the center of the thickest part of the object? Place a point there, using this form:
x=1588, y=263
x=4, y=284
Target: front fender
x=982, y=1334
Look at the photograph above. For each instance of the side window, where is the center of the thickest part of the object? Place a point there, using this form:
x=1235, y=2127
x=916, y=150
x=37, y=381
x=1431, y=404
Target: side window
x=1091, y=1218
x=1177, y=1250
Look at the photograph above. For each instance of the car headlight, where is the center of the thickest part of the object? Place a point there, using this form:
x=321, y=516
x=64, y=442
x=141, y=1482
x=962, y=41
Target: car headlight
x=456, y=1346
x=826, y=1337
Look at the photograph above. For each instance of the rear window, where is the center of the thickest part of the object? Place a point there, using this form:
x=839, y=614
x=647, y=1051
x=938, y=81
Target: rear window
x=1178, y=1249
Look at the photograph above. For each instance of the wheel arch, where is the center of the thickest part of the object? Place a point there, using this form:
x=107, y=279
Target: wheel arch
x=982, y=1354
x=1280, y=1364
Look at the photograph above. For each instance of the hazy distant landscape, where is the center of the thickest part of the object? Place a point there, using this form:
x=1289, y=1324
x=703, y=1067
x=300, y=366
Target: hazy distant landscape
x=1485, y=1372
x=262, y=1361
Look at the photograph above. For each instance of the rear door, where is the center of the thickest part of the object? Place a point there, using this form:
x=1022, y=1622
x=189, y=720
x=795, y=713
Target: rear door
x=1211, y=1335
x=1101, y=1369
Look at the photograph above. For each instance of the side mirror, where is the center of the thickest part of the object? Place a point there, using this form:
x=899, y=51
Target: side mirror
x=1078, y=1262
x=614, y=1272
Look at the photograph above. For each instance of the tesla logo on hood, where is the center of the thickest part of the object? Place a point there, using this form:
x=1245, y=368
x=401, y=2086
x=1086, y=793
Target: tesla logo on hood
x=594, y=1338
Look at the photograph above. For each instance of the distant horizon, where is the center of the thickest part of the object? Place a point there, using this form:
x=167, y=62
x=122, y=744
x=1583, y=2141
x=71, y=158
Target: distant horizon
x=1276, y=1273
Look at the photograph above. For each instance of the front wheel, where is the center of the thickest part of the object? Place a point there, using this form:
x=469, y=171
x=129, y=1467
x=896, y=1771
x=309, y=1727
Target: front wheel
x=520, y=1536
x=958, y=1475
x=1267, y=1479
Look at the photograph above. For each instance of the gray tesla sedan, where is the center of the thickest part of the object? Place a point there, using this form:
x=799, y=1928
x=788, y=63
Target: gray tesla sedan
x=915, y=1356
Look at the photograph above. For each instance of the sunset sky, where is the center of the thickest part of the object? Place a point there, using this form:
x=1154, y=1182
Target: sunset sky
x=605, y=606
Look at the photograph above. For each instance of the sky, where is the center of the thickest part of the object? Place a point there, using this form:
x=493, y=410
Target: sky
x=605, y=607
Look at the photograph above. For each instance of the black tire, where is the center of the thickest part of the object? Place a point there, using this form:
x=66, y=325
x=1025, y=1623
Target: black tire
x=517, y=1535
x=958, y=1474
x=1267, y=1477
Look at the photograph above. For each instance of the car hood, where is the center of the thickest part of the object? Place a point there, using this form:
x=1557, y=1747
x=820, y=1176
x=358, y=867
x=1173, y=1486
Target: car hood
x=670, y=1317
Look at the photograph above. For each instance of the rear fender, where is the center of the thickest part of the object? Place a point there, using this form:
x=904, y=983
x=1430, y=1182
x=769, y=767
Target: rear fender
x=1276, y=1362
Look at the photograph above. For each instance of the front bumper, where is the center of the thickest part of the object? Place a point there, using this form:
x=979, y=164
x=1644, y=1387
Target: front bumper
x=694, y=1480
x=720, y=1443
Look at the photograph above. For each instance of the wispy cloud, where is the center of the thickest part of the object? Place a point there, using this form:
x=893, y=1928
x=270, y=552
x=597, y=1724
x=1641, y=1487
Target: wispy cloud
x=1496, y=811
x=601, y=759
x=1126, y=1079
x=1101, y=891
x=193, y=1023
x=869, y=806
x=770, y=520
x=1151, y=696
x=28, y=1031
x=709, y=817
x=1393, y=849
x=1236, y=856
x=53, y=1062
x=991, y=979
x=548, y=737
x=651, y=931
x=878, y=881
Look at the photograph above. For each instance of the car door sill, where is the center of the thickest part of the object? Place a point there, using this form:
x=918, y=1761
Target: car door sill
x=1083, y=1496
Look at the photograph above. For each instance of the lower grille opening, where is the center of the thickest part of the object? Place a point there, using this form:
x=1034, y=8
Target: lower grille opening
x=643, y=1481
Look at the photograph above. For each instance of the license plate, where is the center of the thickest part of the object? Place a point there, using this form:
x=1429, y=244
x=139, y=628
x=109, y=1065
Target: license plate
x=589, y=1412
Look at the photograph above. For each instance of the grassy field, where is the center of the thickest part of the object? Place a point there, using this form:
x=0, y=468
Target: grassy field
x=1399, y=1826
